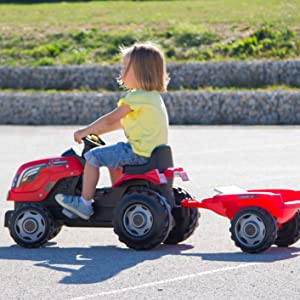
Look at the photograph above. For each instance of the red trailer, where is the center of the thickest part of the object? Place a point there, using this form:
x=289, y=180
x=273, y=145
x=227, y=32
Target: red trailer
x=259, y=218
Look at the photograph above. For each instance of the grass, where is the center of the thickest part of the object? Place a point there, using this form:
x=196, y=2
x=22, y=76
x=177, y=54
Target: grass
x=91, y=32
x=72, y=16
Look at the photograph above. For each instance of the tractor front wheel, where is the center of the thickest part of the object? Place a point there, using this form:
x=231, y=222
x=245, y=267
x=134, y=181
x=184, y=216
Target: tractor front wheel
x=31, y=225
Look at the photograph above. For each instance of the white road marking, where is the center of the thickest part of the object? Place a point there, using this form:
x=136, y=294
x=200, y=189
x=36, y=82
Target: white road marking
x=151, y=284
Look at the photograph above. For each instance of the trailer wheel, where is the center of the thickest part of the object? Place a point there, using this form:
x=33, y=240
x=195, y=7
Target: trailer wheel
x=253, y=229
x=30, y=225
x=289, y=233
x=142, y=219
x=186, y=219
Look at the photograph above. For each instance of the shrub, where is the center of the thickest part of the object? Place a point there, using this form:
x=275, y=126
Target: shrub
x=264, y=42
x=49, y=50
x=191, y=36
x=180, y=43
x=45, y=61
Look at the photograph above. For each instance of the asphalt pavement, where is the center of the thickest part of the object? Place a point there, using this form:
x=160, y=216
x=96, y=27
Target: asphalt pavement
x=84, y=263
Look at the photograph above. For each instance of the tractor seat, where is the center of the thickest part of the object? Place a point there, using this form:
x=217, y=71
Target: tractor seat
x=161, y=159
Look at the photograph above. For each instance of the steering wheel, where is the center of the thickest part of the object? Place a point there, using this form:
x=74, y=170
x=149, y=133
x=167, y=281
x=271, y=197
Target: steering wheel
x=91, y=141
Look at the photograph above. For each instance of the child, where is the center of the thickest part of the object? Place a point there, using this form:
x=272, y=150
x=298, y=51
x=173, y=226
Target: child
x=142, y=115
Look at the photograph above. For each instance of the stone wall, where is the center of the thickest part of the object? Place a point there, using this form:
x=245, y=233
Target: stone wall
x=189, y=76
x=184, y=107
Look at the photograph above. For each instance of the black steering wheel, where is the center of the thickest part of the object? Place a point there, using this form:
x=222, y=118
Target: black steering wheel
x=91, y=141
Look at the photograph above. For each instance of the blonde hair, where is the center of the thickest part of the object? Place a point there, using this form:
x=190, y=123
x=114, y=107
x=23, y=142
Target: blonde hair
x=148, y=65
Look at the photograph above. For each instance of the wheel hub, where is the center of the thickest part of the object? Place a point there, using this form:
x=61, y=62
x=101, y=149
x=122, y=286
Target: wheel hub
x=251, y=229
x=30, y=225
x=137, y=220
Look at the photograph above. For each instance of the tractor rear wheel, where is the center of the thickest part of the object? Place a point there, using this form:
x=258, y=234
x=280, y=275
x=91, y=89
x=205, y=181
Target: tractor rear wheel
x=142, y=219
x=186, y=219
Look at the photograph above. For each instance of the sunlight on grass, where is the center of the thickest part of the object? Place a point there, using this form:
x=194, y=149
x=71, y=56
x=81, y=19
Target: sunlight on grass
x=67, y=16
x=92, y=32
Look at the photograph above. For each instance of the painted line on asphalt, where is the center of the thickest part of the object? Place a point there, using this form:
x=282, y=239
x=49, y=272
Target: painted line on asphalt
x=151, y=284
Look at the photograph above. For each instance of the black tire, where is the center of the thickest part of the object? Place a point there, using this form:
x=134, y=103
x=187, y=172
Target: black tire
x=31, y=225
x=186, y=219
x=55, y=230
x=253, y=229
x=142, y=219
x=289, y=233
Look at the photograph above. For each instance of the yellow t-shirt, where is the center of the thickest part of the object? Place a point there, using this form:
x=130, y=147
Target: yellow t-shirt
x=146, y=126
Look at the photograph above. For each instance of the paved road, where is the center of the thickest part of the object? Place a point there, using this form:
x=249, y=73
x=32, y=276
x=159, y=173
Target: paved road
x=93, y=264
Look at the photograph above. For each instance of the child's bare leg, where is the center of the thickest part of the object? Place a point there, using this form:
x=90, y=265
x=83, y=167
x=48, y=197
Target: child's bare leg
x=90, y=179
x=115, y=174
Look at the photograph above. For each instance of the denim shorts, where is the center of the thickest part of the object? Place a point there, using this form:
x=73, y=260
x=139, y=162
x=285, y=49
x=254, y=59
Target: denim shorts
x=114, y=156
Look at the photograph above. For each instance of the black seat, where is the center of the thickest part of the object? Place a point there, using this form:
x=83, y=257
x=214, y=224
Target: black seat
x=161, y=159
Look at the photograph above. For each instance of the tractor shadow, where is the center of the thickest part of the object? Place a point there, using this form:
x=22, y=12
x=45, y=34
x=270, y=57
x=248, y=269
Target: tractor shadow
x=87, y=265
x=273, y=254
x=99, y=263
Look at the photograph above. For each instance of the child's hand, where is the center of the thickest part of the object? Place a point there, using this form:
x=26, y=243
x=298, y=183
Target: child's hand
x=79, y=135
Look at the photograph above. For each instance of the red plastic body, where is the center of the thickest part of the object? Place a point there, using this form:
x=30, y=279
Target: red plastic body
x=155, y=176
x=53, y=169
x=282, y=204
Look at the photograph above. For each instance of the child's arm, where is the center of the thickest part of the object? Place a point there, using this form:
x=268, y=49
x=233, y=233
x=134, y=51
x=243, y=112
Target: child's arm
x=104, y=124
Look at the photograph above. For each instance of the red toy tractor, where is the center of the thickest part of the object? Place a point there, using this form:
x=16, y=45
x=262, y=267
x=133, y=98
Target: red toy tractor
x=143, y=206
x=259, y=218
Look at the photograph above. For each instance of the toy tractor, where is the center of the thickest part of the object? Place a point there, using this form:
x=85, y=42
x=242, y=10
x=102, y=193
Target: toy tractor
x=143, y=206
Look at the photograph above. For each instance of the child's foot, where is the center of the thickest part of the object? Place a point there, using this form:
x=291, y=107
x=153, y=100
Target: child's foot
x=69, y=214
x=75, y=205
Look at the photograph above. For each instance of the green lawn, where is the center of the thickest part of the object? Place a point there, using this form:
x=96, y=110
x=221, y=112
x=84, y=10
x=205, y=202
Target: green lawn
x=65, y=16
x=91, y=32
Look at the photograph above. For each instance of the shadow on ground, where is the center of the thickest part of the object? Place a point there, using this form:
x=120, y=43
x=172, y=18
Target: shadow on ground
x=99, y=263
